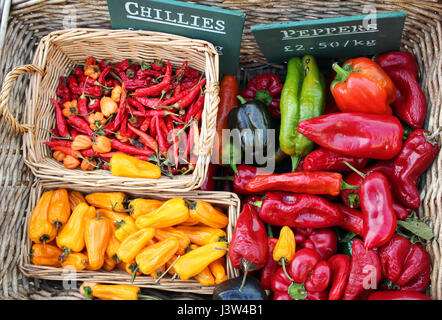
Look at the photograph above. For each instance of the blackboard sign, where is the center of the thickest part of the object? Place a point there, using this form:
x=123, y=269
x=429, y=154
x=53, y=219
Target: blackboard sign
x=223, y=28
x=331, y=38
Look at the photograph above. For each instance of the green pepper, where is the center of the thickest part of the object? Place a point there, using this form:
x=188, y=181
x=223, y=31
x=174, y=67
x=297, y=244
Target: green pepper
x=253, y=115
x=303, y=97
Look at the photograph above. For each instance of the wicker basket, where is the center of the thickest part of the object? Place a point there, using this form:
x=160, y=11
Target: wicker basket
x=29, y=21
x=227, y=201
x=55, y=56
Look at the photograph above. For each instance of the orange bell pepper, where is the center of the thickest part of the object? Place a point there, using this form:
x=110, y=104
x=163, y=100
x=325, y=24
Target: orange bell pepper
x=40, y=229
x=97, y=233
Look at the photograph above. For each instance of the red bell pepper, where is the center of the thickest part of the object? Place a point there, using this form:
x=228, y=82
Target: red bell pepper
x=405, y=264
x=362, y=86
x=248, y=248
x=340, y=271
x=298, y=211
x=377, y=207
x=365, y=271
x=324, y=240
x=401, y=59
x=270, y=267
x=356, y=134
x=417, y=154
x=267, y=88
x=398, y=295
x=311, y=182
x=323, y=159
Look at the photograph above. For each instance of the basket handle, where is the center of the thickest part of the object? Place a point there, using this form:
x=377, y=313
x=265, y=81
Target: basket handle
x=5, y=94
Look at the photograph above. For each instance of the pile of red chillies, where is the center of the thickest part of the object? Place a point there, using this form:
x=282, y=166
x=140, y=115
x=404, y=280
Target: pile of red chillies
x=146, y=110
x=357, y=186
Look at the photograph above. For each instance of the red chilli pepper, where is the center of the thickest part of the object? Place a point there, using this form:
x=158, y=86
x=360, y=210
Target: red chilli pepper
x=187, y=99
x=323, y=159
x=195, y=108
x=80, y=124
x=340, y=270
x=377, y=207
x=61, y=124
x=365, y=271
x=145, y=138
x=248, y=248
x=356, y=134
x=156, y=89
x=417, y=154
x=311, y=182
x=130, y=149
x=58, y=143
x=299, y=211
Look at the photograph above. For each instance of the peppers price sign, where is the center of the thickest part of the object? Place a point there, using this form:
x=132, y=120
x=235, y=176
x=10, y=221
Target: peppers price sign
x=223, y=28
x=331, y=38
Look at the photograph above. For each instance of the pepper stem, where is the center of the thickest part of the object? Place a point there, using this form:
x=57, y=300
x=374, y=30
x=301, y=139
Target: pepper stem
x=88, y=293
x=353, y=200
x=346, y=186
x=246, y=266
x=283, y=261
x=257, y=204
x=355, y=170
x=241, y=99
x=269, y=231
x=264, y=96
x=295, y=162
x=229, y=178
x=342, y=74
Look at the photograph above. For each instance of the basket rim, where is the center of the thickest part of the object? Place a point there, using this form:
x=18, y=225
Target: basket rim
x=45, y=169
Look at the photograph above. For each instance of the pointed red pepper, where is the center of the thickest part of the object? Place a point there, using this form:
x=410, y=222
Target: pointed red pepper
x=323, y=159
x=340, y=271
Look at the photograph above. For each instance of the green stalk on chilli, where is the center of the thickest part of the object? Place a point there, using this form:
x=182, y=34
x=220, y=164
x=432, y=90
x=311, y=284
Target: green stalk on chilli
x=303, y=97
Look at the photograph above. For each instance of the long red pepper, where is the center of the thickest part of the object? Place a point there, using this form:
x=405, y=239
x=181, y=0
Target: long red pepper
x=248, y=248
x=323, y=159
x=419, y=151
x=340, y=270
x=130, y=149
x=146, y=139
x=156, y=89
x=313, y=182
x=195, y=108
x=353, y=220
x=356, y=134
x=115, y=124
x=161, y=139
x=377, y=207
x=299, y=210
x=61, y=124
x=80, y=124
x=185, y=101
x=59, y=143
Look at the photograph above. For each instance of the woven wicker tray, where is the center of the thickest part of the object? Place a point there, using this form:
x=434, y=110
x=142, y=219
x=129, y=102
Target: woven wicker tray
x=29, y=21
x=227, y=201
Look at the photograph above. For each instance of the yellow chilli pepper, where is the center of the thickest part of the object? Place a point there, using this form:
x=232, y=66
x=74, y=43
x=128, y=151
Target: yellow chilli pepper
x=195, y=261
x=202, y=235
x=285, y=247
x=107, y=200
x=125, y=228
x=40, y=229
x=172, y=212
x=123, y=165
x=218, y=270
x=111, y=291
x=139, y=207
x=71, y=237
x=45, y=255
x=183, y=239
x=59, y=208
x=130, y=267
x=133, y=244
x=109, y=263
x=75, y=261
x=155, y=256
x=75, y=198
x=97, y=232
x=206, y=214
x=205, y=277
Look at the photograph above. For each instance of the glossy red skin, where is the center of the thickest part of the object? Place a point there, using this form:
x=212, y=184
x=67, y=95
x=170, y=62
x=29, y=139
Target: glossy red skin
x=366, y=89
x=244, y=175
x=323, y=159
x=356, y=134
x=410, y=105
x=313, y=182
x=354, y=179
x=353, y=219
x=302, y=264
x=281, y=283
x=298, y=211
x=402, y=59
x=416, y=265
x=377, y=207
x=398, y=295
x=324, y=241
x=319, y=279
x=392, y=256
x=416, y=156
x=365, y=265
x=249, y=240
x=340, y=270
x=270, y=267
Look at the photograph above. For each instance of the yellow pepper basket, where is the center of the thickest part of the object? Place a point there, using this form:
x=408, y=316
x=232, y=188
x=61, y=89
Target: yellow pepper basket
x=228, y=202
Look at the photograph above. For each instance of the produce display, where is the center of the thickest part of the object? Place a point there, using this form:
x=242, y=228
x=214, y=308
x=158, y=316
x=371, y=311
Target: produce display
x=146, y=111
x=107, y=231
x=336, y=219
